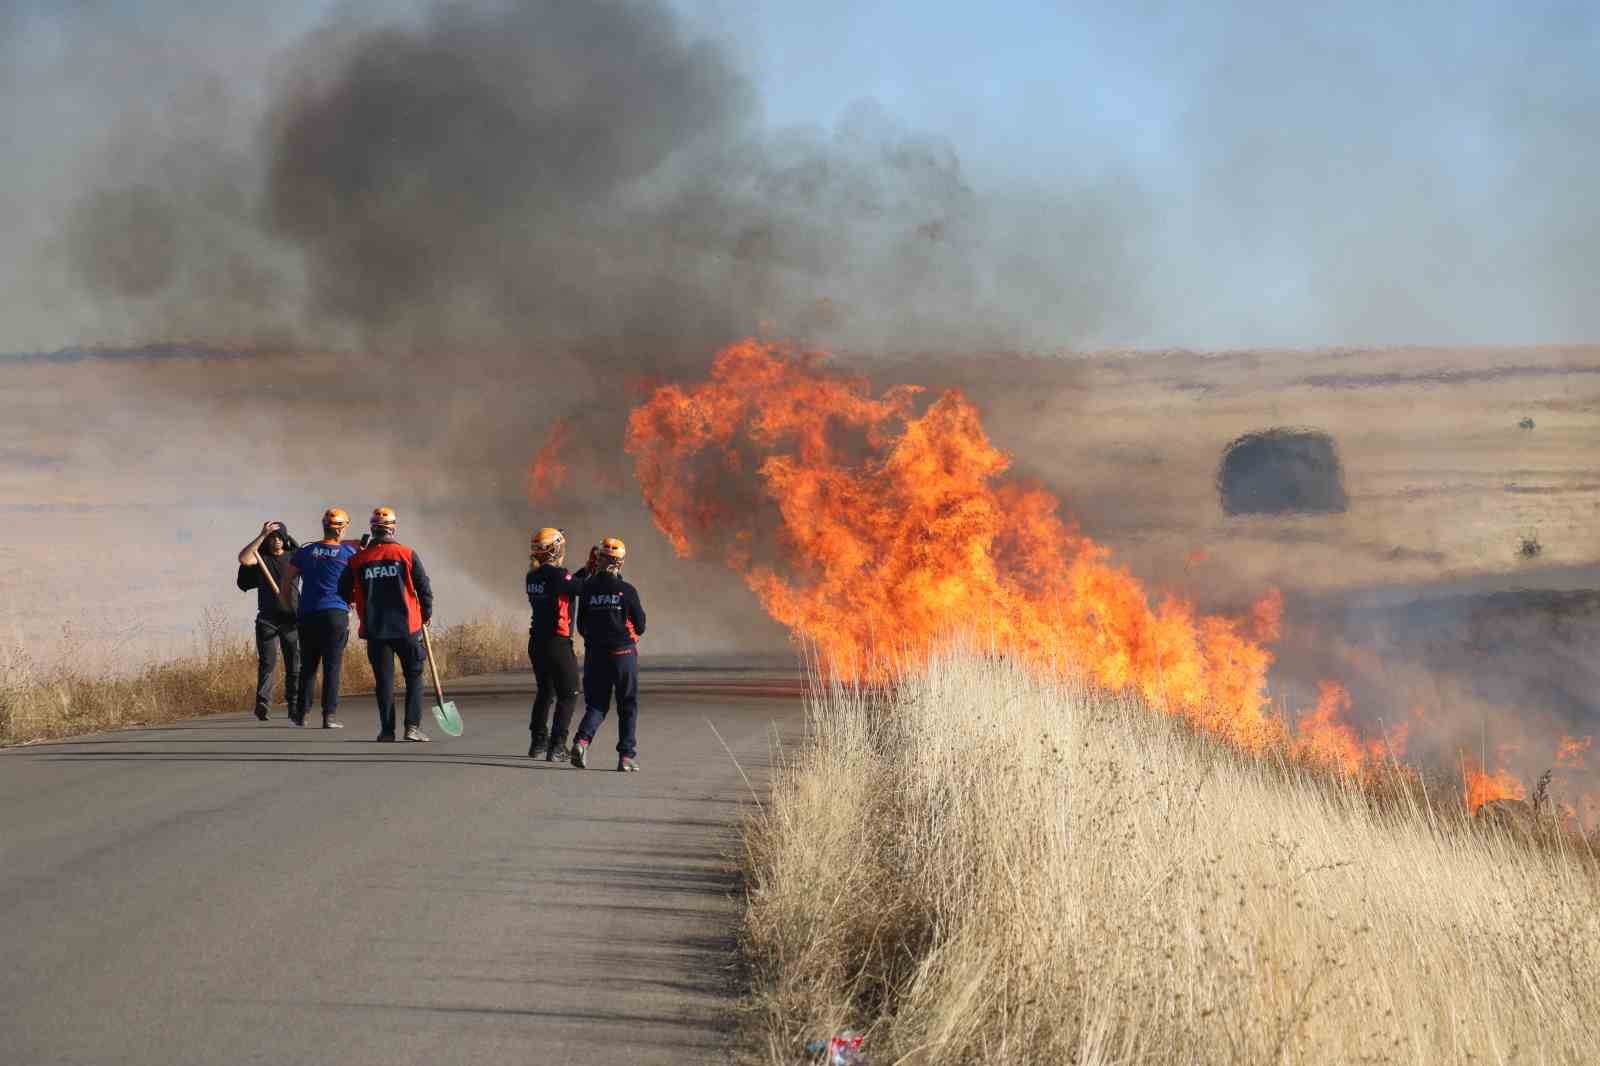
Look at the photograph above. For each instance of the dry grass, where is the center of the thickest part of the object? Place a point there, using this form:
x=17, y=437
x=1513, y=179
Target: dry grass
x=992, y=867
x=70, y=693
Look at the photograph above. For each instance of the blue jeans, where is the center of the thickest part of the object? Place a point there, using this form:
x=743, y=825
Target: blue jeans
x=323, y=635
x=607, y=670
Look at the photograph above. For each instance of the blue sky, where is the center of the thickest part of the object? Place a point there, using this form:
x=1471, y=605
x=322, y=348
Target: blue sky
x=1367, y=171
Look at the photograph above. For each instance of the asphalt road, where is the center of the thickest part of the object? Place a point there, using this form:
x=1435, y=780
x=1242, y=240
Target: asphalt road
x=226, y=891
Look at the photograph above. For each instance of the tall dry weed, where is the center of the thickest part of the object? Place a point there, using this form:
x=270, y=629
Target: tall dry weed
x=989, y=867
x=72, y=689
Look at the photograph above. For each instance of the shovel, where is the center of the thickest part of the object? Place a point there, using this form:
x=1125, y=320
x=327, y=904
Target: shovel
x=445, y=714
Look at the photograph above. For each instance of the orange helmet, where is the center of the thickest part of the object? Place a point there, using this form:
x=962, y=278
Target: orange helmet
x=613, y=549
x=335, y=518
x=383, y=518
x=547, y=543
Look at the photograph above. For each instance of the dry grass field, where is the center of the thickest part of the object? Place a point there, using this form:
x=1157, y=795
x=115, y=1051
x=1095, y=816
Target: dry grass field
x=988, y=867
x=1442, y=479
x=120, y=478
x=128, y=483
x=1417, y=598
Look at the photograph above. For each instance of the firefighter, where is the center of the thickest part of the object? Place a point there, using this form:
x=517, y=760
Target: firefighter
x=277, y=601
x=611, y=620
x=394, y=600
x=324, y=615
x=553, y=598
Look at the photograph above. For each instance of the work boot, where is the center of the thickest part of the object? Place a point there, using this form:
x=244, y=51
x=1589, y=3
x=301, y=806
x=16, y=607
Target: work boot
x=385, y=738
x=415, y=734
x=535, y=746
x=330, y=722
x=555, y=753
x=580, y=748
x=261, y=714
x=298, y=718
x=627, y=764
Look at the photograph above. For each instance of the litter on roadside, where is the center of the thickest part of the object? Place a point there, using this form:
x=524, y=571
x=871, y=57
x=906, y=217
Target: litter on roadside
x=841, y=1050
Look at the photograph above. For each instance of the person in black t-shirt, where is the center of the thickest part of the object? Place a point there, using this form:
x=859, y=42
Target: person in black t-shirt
x=276, y=603
x=553, y=599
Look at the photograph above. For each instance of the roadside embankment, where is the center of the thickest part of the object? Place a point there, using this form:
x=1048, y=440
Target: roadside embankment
x=989, y=866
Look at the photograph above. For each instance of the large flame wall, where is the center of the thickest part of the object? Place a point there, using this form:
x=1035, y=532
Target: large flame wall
x=897, y=528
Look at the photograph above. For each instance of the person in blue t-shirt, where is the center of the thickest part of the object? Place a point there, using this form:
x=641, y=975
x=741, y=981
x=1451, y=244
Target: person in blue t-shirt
x=324, y=615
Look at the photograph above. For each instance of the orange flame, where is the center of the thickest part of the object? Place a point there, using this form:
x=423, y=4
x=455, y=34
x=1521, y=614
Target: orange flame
x=548, y=472
x=1325, y=738
x=1484, y=788
x=875, y=532
x=1571, y=754
x=1393, y=744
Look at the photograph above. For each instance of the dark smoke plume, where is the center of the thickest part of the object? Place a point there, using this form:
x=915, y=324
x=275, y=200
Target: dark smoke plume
x=482, y=177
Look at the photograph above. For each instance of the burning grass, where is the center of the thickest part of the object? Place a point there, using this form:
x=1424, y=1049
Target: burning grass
x=68, y=693
x=992, y=866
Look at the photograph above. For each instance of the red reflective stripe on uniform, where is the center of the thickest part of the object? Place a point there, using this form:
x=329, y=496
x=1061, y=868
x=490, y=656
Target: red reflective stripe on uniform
x=563, y=617
x=389, y=551
x=413, y=605
x=631, y=634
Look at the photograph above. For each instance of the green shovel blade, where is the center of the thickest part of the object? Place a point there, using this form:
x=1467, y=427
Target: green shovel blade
x=448, y=717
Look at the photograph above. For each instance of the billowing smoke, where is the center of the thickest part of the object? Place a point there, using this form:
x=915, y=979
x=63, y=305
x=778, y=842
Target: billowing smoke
x=576, y=177
x=479, y=171
x=485, y=177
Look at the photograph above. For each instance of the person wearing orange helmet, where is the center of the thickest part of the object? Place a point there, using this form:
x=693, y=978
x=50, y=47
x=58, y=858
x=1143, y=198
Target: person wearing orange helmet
x=611, y=619
x=553, y=599
x=263, y=566
x=324, y=615
x=394, y=600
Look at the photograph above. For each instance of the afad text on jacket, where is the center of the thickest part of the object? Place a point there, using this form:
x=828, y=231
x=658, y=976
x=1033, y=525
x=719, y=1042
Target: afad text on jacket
x=609, y=613
x=390, y=589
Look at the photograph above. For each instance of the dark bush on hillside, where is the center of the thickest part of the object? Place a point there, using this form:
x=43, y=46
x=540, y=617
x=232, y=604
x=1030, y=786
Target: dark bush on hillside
x=1282, y=471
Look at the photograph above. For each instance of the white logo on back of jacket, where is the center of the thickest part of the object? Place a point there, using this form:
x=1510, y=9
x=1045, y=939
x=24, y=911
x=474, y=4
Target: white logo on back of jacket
x=377, y=570
x=605, y=599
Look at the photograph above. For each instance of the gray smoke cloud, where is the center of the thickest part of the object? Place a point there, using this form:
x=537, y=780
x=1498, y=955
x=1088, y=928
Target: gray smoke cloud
x=501, y=174
x=489, y=172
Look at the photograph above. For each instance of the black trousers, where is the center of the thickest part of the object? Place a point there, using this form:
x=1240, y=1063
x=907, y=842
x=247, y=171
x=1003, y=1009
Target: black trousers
x=381, y=654
x=555, y=667
x=606, y=670
x=323, y=636
x=271, y=636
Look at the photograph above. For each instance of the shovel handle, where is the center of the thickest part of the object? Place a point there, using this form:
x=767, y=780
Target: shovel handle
x=427, y=642
x=266, y=575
